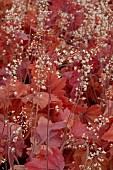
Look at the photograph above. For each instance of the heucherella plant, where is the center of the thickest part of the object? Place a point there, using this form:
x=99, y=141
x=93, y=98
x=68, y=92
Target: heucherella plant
x=56, y=85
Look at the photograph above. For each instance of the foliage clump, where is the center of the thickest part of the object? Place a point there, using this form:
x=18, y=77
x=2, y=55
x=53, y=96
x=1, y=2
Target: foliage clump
x=56, y=84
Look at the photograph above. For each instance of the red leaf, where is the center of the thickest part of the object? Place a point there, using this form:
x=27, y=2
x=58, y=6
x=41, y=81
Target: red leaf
x=79, y=129
x=54, y=131
x=13, y=132
x=57, y=85
x=18, y=89
x=41, y=99
x=72, y=77
x=55, y=161
x=3, y=75
x=109, y=108
x=79, y=16
x=57, y=5
x=93, y=112
x=7, y=2
x=90, y=114
x=79, y=109
x=5, y=101
x=108, y=136
x=66, y=116
x=21, y=89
